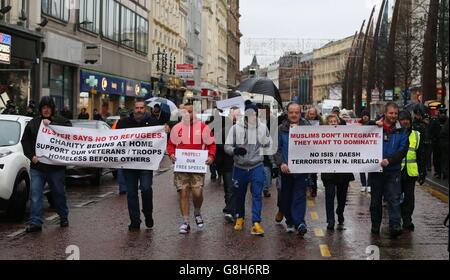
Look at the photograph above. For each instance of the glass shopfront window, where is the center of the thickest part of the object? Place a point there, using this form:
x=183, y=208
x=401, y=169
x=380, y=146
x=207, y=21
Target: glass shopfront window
x=59, y=79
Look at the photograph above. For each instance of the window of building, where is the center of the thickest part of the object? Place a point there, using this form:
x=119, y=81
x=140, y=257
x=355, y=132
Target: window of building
x=58, y=9
x=90, y=15
x=127, y=27
x=59, y=79
x=141, y=34
x=111, y=23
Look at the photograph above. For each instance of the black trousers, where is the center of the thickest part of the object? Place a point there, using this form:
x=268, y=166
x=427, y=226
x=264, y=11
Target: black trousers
x=408, y=188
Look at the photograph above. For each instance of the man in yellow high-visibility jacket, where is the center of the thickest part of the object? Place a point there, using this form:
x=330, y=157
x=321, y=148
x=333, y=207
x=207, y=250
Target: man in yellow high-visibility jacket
x=413, y=169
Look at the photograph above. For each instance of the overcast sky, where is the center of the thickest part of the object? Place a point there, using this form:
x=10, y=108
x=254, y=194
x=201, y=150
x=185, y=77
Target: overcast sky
x=297, y=19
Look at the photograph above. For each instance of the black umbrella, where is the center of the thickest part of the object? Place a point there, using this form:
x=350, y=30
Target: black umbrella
x=260, y=86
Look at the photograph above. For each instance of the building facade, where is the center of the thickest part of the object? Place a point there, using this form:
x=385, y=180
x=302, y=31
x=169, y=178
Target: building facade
x=168, y=44
x=20, y=55
x=94, y=54
x=329, y=66
x=273, y=73
x=233, y=44
x=251, y=71
x=193, y=53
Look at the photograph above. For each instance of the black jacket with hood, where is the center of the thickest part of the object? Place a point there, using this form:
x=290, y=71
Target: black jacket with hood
x=31, y=132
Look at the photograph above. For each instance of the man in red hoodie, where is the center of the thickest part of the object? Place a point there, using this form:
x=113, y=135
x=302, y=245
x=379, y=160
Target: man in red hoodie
x=191, y=134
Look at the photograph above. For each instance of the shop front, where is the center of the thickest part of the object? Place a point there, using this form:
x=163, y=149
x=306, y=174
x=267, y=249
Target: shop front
x=20, y=55
x=108, y=93
x=58, y=82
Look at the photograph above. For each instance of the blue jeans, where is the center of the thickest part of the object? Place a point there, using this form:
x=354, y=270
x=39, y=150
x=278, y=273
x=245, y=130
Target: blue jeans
x=228, y=187
x=135, y=180
x=55, y=180
x=331, y=189
x=242, y=178
x=268, y=177
x=121, y=181
x=387, y=184
x=293, y=198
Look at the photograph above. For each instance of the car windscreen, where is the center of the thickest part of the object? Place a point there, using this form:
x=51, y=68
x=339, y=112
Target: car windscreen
x=10, y=133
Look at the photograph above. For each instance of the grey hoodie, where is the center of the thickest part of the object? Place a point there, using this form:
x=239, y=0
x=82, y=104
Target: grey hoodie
x=252, y=138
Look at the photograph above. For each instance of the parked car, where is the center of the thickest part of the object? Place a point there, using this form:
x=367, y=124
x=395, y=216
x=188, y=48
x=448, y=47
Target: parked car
x=14, y=167
x=93, y=174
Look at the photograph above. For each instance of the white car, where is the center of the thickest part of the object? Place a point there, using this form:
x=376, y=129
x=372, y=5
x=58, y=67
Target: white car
x=14, y=167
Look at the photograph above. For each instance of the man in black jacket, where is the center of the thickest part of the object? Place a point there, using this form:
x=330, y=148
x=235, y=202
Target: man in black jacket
x=42, y=173
x=139, y=179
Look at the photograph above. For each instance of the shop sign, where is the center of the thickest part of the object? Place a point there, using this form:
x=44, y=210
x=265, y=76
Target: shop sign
x=5, y=48
x=101, y=83
x=185, y=70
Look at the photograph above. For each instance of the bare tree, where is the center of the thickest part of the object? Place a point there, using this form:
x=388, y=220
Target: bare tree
x=389, y=80
x=429, y=71
x=371, y=78
x=443, y=46
x=409, y=44
x=360, y=68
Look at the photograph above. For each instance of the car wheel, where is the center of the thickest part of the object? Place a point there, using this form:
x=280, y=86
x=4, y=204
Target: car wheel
x=17, y=204
x=96, y=177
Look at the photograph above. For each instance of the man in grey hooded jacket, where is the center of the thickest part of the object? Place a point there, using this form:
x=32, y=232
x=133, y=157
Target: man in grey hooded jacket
x=246, y=141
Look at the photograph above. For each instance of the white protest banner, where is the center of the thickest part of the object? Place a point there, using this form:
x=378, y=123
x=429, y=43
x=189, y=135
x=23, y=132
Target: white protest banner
x=191, y=161
x=335, y=149
x=137, y=148
x=227, y=104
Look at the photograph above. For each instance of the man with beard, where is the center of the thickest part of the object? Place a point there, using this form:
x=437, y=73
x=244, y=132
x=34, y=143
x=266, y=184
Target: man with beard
x=388, y=183
x=139, y=179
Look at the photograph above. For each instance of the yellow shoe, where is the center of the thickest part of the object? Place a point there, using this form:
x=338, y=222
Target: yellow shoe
x=239, y=224
x=257, y=229
x=279, y=217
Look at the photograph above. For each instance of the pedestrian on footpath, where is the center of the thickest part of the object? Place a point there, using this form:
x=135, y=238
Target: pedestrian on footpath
x=435, y=130
x=190, y=134
x=139, y=179
x=413, y=169
x=44, y=173
x=245, y=142
x=293, y=186
x=387, y=184
x=336, y=185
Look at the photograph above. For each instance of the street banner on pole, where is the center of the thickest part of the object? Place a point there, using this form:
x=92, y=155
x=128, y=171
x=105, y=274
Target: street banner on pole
x=136, y=148
x=191, y=161
x=335, y=149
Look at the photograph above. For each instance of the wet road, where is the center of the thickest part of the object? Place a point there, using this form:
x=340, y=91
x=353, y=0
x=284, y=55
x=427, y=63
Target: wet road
x=99, y=228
